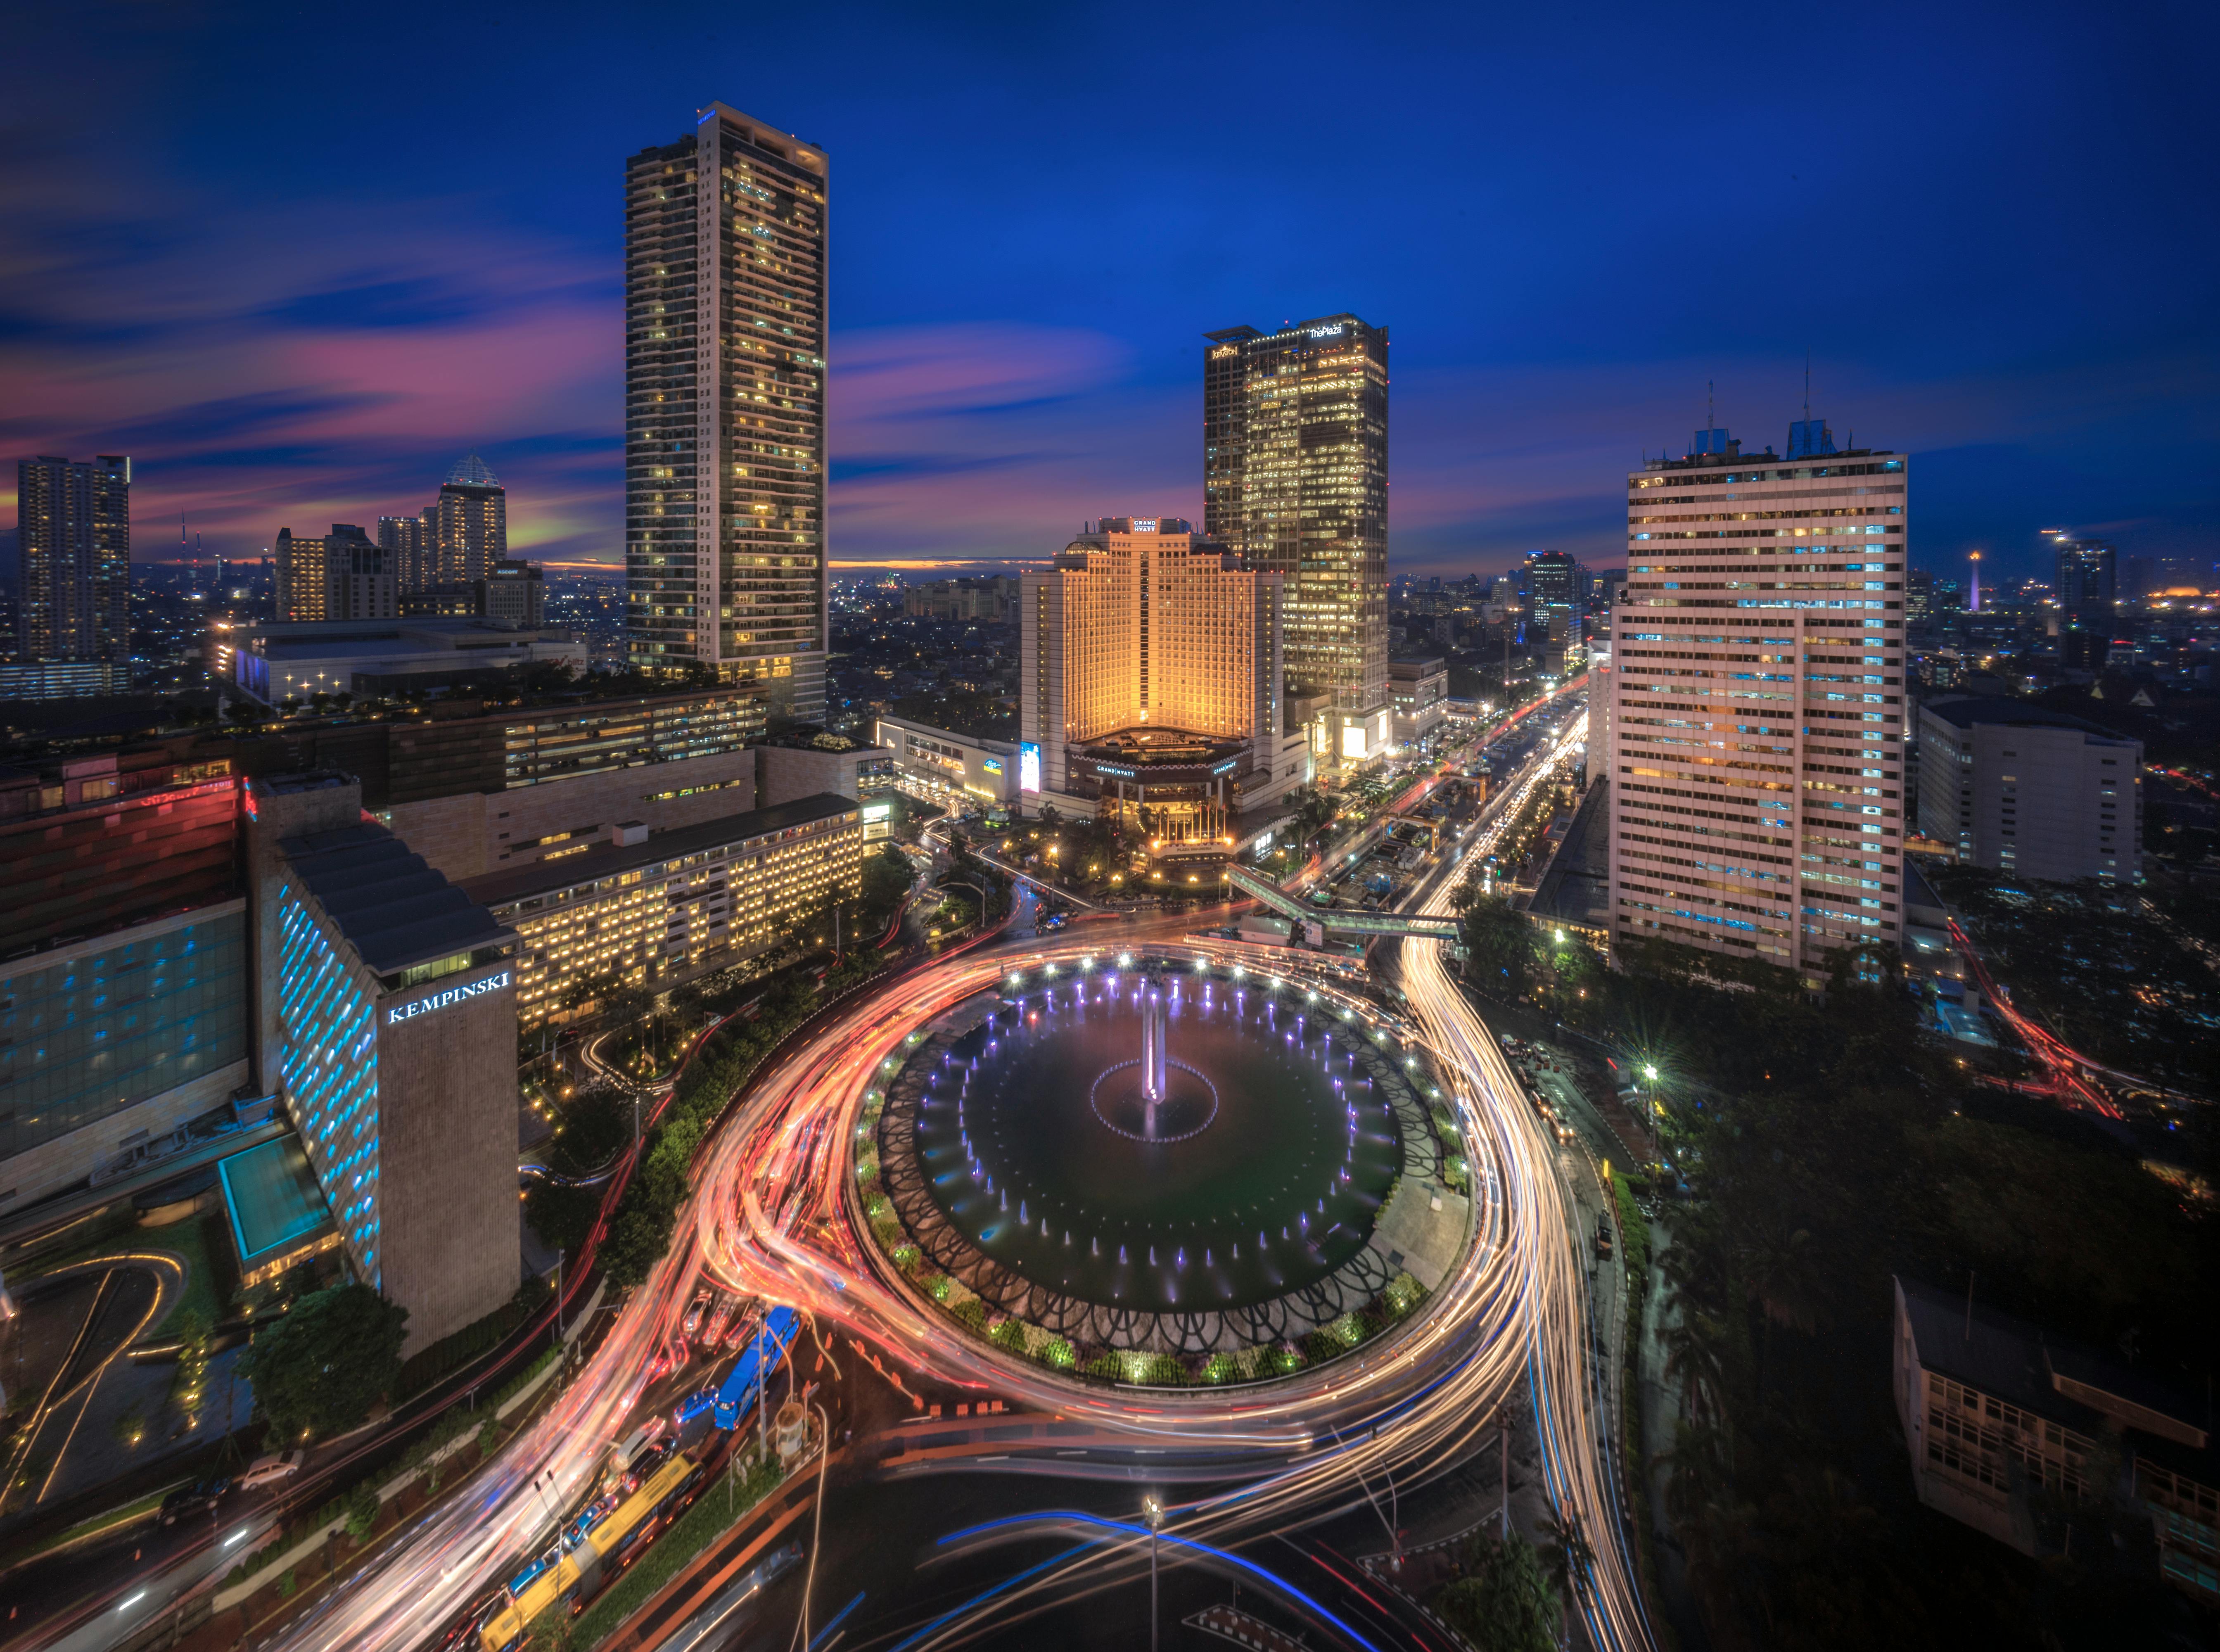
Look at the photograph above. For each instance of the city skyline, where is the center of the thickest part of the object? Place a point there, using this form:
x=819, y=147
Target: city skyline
x=978, y=409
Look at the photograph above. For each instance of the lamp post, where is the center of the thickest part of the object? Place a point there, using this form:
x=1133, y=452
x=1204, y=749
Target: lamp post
x=1649, y=1072
x=1153, y=1512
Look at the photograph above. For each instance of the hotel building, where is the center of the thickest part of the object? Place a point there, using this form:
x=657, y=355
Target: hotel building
x=725, y=320
x=1755, y=702
x=386, y=1022
x=1150, y=666
x=471, y=538
x=1295, y=482
x=643, y=906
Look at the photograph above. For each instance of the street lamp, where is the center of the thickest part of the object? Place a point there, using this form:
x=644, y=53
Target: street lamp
x=1153, y=1512
x=1649, y=1072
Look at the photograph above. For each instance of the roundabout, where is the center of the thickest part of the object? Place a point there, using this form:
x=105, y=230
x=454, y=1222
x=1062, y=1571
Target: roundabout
x=1152, y=1157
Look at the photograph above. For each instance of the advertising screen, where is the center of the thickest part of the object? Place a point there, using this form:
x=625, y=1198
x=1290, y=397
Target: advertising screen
x=1029, y=767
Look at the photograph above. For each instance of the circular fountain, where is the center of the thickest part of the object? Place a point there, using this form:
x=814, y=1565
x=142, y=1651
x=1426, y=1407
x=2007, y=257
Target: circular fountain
x=1150, y=1158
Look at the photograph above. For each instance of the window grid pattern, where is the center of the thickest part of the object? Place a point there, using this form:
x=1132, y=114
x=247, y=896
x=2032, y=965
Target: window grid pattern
x=327, y=1073
x=82, y=1040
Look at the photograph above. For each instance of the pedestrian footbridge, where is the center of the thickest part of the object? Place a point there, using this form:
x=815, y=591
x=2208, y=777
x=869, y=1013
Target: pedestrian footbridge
x=1343, y=922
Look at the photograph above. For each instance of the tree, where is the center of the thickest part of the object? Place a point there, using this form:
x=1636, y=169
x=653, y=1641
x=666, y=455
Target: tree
x=1568, y=1555
x=1500, y=942
x=1504, y=1602
x=332, y=1356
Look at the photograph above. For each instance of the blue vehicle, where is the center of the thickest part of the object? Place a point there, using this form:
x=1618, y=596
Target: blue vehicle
x=759, y=1360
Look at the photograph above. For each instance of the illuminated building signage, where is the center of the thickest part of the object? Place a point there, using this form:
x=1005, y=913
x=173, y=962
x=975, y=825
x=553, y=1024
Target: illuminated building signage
x=1029, y=778
x=1333, y=332
x=1113, y=769
x=1144, y=525
x=878, y=810
x=992, y=765
x=1227, y=767
x=399, y=1012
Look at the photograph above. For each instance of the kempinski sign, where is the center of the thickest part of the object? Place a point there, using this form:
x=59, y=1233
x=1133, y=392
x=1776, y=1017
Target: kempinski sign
x=400, y=1013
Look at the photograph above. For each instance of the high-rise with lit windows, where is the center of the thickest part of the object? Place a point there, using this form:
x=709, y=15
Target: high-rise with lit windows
x=73, y=572
x=1294, y=475
x=1756, y=711
x=1150, y=679
x=470, y=537
x=725, y=318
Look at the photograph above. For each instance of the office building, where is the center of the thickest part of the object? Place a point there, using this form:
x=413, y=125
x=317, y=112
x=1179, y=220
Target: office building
x=1755, y=717
x=2023, y=789
x=2086, y=591
x=73, y=574
x=725, y=327
x=386, y=1025
x=2018, y=1433
x=409, y=543
x=370, y=658
x=640, y=906
x=1295, y=482
x=341, y=576
x=122, y=1002
x=1421, y=691
x=1553, y=583
x=511, y=597
x=1150, y=681
x=473, y=524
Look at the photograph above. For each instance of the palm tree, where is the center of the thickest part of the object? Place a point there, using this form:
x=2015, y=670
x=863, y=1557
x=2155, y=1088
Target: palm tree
x=1567, y=1555
x=1691, y=1362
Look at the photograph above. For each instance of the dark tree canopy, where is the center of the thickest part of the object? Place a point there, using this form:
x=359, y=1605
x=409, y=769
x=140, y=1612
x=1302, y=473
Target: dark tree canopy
x=322, y=1367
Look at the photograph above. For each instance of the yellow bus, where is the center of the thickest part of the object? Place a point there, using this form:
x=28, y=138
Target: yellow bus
x=591, y=1549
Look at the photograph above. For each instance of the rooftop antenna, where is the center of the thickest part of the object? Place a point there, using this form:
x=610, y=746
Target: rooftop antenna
x=1710, y=414
x=1807, y=391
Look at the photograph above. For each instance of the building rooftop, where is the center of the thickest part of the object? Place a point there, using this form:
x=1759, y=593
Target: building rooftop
x=606, y=859
x=2018, y=1361
x=393, y=909
x=1973, y=709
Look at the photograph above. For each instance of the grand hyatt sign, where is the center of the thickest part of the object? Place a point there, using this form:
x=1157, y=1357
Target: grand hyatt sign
x=409, y=1012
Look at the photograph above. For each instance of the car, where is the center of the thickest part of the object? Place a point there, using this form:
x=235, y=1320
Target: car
x=200, y=1498
x=700, y=1306
x=269, y=1469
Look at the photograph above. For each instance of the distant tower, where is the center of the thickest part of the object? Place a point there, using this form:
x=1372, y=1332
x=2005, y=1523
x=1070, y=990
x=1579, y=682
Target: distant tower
x=1974, y=594
x=473, y=523
x=73, y=568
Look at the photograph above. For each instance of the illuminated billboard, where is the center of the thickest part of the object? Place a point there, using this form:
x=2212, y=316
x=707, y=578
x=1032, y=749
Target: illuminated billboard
x=1029, y=767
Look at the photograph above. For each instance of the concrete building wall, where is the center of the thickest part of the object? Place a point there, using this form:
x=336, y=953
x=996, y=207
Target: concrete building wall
x=786, y=774
x=477, y=832
x=67, y=1160
x=2047, y=801
x=447, y=1150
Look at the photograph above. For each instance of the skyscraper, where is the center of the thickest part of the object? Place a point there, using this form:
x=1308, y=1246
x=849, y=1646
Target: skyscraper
x=1295, y=476
x=1756, y=705
x=725, y=318
x=473, y=523
x=2087, y=589
x=73, y=567
x=409, y=542
x=1150, y=667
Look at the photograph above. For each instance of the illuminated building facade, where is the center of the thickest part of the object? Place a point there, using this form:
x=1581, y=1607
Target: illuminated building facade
x=73, y=570
x=340, y=575
x=472, y=534
x=386, y=1021
x=122, y=998
x=1148, y=648
x=642, y=906
x=1755, y=703
x=724, y=321
x=1295, y=482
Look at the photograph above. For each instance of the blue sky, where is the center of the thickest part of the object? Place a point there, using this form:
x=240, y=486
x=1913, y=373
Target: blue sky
x=296, y=260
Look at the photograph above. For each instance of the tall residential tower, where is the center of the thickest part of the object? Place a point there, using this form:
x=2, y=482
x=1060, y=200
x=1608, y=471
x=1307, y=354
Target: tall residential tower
x=73, y=574
x=725, y=317
x=1755, y=703
x=1294, y=476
